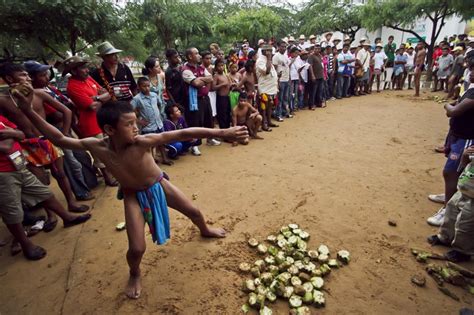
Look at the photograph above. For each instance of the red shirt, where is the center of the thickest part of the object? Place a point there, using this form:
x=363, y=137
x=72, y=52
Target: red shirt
x=5, y=164
x=81, y=93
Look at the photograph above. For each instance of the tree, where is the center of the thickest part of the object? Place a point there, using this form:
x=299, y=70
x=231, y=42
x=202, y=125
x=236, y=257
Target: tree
x=250, y=24
x=59, y=25
x=330, y=15
x=401, y=15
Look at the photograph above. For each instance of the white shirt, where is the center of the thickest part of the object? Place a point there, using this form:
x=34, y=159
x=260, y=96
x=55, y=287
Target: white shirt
x=364, y=57
x=340, y=57
x=295, y=66
x=281, y=62
x=410, y=59
x=379, y=59
x=267, y=83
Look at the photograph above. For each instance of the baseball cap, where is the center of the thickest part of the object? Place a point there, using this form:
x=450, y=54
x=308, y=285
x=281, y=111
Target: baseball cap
x=33, y=66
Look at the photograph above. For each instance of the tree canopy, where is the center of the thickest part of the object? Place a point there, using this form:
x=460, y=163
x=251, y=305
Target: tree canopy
x=44, y=29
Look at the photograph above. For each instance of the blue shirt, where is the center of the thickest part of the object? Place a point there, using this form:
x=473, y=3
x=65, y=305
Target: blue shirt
x=399, y=68
x=147, y=107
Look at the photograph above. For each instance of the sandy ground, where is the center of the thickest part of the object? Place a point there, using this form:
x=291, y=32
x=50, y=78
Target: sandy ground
x=341, y=173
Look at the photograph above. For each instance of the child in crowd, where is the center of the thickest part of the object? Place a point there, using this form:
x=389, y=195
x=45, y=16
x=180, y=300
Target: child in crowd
x=399, y=69
x=235, y=78
x=445, y=61
x=244, y=114
x=146, y=105
x=174, y=122
x=19, y=186
x=221, y=85
x=129, y=158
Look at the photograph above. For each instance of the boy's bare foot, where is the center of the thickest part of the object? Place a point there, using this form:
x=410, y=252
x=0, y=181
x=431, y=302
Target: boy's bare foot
x=213, y=232
x=134, y=287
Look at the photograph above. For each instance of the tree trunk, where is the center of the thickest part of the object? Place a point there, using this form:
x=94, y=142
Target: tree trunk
x=429, y=58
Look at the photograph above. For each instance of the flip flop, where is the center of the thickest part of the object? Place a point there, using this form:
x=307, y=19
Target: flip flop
x=15, y=249
x=36, y=254
x=273, y=125
x=434, y=240
x=456, y=256
x=78, y=220
x=80, y=209
x=267, y=129
x=113, y=183
x=50, y=225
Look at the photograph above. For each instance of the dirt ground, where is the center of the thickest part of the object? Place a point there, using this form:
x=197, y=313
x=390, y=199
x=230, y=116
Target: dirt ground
x=341, y=173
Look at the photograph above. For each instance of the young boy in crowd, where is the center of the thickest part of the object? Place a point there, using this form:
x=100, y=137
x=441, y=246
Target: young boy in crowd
x=248, y=82
x=145, y=104
x=174, y=122
x=129, y=158
x=445, y=61
x=18, y=185
x=457, y=229
x=222, y=87
x=399, y=69
x=245, y=114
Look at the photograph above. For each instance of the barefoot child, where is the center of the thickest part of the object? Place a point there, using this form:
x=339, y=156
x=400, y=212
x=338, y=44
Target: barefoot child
x=129, y=158
x=245, y=114
x=146, y=105
x=222, y=85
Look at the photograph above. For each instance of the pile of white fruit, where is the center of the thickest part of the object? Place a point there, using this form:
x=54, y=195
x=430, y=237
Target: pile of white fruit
x=289, y=271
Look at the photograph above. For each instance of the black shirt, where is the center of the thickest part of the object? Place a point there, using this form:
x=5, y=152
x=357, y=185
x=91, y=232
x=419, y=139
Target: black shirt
x=175, y=85
x=463, y=126
x=122, y=85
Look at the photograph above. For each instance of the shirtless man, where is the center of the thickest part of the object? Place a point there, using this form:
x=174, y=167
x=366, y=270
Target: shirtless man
x=221, y=85
x=419, y=65
x=128, y=156
x=248, y=82
x=16, y=74
x=245, y=114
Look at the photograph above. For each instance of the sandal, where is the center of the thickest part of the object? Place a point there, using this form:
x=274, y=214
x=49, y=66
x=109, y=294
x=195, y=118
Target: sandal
x=434, y=240
x=80, y=209
x=50, y=225
x=272, y=125
x=267, y=129
x=113, y=183
x=456, y=256
x=36, y=253
x=77, y=220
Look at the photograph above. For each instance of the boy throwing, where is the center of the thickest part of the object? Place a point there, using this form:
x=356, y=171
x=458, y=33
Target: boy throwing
x=129, y=158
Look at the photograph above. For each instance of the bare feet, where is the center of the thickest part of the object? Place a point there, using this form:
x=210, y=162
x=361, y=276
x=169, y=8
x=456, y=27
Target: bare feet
x=134, y=287
x=257, y=137
x=213, y=232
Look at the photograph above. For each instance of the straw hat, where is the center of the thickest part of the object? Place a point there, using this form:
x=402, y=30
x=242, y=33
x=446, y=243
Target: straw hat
x=106, y=48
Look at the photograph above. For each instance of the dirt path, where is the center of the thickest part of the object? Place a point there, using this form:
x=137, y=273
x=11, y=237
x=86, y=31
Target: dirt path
x=341, y=173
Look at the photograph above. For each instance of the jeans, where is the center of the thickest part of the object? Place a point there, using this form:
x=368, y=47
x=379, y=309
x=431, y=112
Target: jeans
x=178, y=147
x=283, y=96
x=330, y=82
x=296, y=101
x=73, y=170
x=316, y=93
x=342, y=85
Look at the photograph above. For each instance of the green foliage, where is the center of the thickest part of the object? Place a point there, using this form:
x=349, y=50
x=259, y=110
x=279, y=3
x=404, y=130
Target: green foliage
x=55, y=24
x=320, y=16
x=250, y=24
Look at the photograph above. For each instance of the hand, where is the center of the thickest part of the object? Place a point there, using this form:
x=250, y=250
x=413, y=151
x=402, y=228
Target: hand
x=469, y=151
x=7, y=133
x=236, y=133
x=24, y=94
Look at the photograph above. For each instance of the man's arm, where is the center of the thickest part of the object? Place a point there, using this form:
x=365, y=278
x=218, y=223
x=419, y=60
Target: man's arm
x=53, y=134
x=67, y=114
x=10, y=133
x=459, y=109
x=151, y=140
x=234, y=117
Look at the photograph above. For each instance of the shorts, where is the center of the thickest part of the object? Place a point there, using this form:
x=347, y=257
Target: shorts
x=377, y=71
x=97, y=162
x=454, y=149
x=40, y=152
x=20, y=187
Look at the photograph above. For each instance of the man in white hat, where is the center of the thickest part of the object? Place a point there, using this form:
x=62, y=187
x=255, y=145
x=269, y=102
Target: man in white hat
x=267, y=85
x=113, y=75
x=302, y=42
x=364, y=58
x=312, y=40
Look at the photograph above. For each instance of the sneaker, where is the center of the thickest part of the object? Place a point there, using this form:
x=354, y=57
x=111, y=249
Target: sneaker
x=213, y=142
x=332, y=98
x=438, y=218
x=440, y=198
x=279, y=119
x=195, y=151
x=289, y=116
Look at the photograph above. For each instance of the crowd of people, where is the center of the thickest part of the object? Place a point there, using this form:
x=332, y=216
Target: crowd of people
x=126, y=123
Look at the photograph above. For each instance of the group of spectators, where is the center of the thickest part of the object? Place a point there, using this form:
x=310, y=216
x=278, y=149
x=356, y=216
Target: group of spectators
x=256, y=87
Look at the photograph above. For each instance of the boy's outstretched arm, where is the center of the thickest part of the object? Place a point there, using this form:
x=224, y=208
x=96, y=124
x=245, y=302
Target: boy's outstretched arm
x=24, y=95
x=232, y=134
